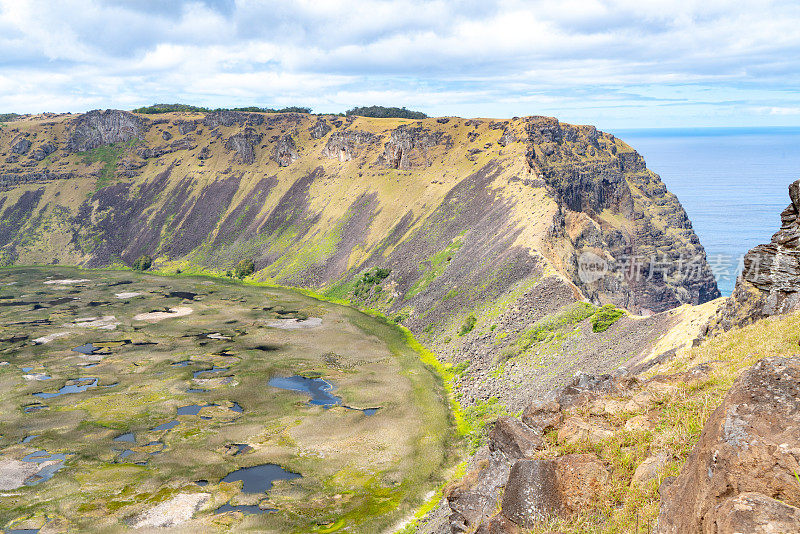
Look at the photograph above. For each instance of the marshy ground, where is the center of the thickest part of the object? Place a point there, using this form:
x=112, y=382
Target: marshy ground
x=132, y=400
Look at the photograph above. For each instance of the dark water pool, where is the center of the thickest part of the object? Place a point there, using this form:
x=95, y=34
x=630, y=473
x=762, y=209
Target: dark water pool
x=259, y=478
x=317, y=388
x=166, y=426
x=47, y=473
x=197, y=374
x=192, y=409
x=78, y=387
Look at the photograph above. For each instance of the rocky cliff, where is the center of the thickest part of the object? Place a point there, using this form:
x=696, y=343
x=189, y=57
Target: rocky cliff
x=770, y=280
x=493, y=232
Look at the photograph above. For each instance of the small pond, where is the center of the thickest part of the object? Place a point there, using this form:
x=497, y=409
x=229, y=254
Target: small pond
x=317, y=388
x=47, y=472
x=78, y=387
x=259, y=478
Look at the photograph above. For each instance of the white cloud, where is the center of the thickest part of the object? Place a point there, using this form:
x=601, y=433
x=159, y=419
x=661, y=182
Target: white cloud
x=595, y=56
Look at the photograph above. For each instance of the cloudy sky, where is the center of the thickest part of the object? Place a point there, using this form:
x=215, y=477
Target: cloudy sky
x=614, y=63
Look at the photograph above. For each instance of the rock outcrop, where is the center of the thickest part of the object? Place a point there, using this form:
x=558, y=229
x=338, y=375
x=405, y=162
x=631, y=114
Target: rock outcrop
x=320, y=128
x=593, y=177
x=243, y=144
x=742, y=474
x=408, y=147
x=43, y=150
x=21, y=146
x=345, y=145
x=285, y=151
x=98, y=128
x=506, y=474
x=770, y=280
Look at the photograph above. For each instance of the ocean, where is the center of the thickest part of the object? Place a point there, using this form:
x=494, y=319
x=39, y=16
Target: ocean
x=732, y=182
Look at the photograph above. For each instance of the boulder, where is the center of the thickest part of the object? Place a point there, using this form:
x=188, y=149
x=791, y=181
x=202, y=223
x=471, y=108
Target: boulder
x=576, y=430
x=514, y=438
x=639, y=423
x=544, y=415
x=650, y=468
x=753, y=513
x=539, y=489
x=581, y=479
x=750, y=444
x=531, y=494
x=499, y=524
x=477, y=496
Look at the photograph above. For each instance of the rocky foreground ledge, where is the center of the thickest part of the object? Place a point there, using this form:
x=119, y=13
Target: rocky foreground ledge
x=626, y=453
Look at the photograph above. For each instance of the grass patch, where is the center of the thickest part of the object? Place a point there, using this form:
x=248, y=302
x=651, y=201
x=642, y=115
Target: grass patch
x=433, y=268
x=605, y=317
x=468, y=326
x=108, y=156
x=553, y=326
x=478, y=416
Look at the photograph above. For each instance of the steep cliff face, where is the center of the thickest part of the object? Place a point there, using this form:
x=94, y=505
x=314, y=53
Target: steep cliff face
x=770, y=280
x=486, y=226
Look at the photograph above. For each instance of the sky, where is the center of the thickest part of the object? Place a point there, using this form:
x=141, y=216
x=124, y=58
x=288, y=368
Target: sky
x=612, y=63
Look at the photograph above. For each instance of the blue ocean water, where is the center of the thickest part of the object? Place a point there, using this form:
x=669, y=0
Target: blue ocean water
x=733, y=183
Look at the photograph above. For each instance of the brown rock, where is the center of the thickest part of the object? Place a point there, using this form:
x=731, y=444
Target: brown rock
x=576, y=430
x=639, y=423
x=544, y=415
x=477, y=496
x=514, y=438
x=531, y=493
x=650, y=468
x=751, y=443
x=753, y=513
x=538, y=489
x=581, y=479
x=499, y=524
